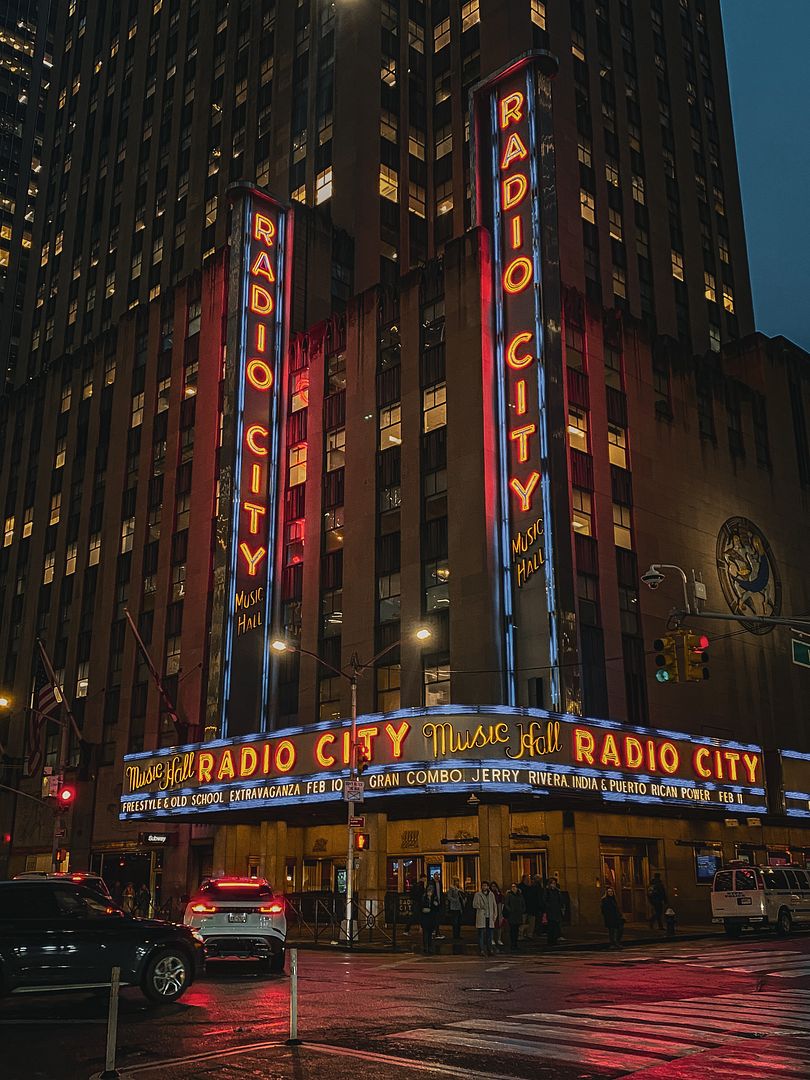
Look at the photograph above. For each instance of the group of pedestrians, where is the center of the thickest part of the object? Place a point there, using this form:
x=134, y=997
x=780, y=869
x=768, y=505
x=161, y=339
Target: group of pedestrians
x=527, y=909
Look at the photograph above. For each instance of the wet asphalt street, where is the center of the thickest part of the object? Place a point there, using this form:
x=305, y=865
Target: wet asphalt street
x=711, y=1009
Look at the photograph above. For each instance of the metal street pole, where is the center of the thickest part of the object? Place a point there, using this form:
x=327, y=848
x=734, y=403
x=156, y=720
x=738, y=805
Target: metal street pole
x=350, y=854
x=59, y=826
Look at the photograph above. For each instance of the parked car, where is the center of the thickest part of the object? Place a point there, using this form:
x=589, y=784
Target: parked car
x=761, y=896
x=80, y=877
x=240, y=917
x=56, y=934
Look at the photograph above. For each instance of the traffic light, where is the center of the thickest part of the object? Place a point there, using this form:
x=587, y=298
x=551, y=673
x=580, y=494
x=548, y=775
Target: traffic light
x=362, y=840
x=697, y=657
x=362, y=758
x=666, y=659
x=65, y=798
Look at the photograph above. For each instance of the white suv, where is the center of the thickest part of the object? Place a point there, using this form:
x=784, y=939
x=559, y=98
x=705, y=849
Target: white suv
x=240, y=917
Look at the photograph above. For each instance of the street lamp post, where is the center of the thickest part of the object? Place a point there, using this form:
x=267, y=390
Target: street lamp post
x=356, y=670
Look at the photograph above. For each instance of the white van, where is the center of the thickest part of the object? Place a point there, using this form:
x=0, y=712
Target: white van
x=764, y=896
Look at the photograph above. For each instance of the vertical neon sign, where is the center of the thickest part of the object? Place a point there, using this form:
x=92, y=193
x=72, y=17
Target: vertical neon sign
x=259, y=323
x=507, y=142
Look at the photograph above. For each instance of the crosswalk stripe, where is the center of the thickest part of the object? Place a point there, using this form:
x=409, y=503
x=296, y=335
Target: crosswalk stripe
x=663, y=1027
x=561, y=1032
x=735, y=1065
x=730, y=1010
x=792, y=973
x=558, y=1051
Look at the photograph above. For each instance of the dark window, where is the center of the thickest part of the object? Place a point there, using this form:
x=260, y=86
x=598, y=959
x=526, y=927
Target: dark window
x=24, y=901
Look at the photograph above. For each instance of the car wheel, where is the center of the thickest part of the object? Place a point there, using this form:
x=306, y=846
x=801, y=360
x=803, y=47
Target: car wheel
x=167, y=975
x=277, y=962
x=732, y=929
x=784, y=923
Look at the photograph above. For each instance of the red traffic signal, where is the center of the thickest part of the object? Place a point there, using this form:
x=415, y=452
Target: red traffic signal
x=66, y=796
x=362, y=757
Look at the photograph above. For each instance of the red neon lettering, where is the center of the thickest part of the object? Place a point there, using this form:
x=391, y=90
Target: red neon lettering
x=514, y=150
x=512, y=359
x=261, y=337
x=255, y=479
x=521, y=397
x=517, y=275
x=205, y=765
x=514, y=190
x=517, y=232
x=264, y=229
x=698, y=762
x=751, y=764
x=226, y=770
x=610, y=752
x=252, y=558
x=320, y=750
x=253, y=432
x=285, y=755
x=259, y=374
x=583, y=745
x=261, y=301
x=521, y=436
x=512, y=108
x=633, y=754
x=525, y=493
x=669, y=757
x=248, y=761
x=397, y=736
x=255, y=512
x=262, y=267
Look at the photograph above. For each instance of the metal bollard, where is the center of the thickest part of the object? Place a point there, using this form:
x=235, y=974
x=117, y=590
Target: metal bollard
x=293, y=1039
x=110, y=1071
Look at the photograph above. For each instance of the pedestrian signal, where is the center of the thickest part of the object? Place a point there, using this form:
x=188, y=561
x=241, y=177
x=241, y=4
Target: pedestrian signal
x=362, y=840
x=697, y=657
x=666, y=659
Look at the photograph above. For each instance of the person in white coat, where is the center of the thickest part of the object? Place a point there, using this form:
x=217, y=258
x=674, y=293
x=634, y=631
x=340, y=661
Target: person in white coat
x=485, y=907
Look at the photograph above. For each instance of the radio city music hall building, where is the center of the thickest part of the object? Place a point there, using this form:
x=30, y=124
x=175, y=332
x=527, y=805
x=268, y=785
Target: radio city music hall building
x=483, y=447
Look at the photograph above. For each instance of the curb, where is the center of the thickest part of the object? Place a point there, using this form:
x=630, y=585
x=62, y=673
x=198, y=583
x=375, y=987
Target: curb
x=535, y=949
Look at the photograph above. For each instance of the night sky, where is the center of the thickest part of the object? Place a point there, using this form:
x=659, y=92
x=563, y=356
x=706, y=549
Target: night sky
x=766, y=47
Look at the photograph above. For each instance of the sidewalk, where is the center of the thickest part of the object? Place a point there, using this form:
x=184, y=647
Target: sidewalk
x=574, y=938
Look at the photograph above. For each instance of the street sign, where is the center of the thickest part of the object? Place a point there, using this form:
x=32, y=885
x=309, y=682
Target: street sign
x=357, y=823
x=801, y=652
x=353, y=791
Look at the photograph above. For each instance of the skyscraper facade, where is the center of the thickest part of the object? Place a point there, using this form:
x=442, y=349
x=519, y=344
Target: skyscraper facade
x=26, y=49
x=355, y=321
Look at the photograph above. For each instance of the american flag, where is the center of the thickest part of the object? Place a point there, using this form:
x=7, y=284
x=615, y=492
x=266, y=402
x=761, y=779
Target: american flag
x=45, y=701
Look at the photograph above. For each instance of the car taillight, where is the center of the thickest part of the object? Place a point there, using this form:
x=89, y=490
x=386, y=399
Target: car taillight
x=202, y=909
x=271, y=909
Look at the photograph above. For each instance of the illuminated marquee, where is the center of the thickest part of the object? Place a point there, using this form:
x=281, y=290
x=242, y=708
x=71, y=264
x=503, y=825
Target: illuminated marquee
x=262, y=323
x=446, y=749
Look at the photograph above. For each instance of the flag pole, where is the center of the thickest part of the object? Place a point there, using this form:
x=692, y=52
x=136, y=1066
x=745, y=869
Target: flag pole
x=180, y=725
x=61, y=696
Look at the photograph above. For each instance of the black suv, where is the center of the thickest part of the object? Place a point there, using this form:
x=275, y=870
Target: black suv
x=58, y=935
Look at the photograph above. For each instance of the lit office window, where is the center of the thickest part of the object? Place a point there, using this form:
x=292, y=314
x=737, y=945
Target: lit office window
x=388, y=687
x=48, y=568
x=335, y=449
x=582, y=513
x=390, y=426
x=297, y=459
x=8, y=531
x=434, y=407
x=56, y=507
x=437, y=684
x=622, y=526
x=578, y=428
x=587, y=206
x=389, y=183
x=617, y=446
x=94, y=551
x=441, y=35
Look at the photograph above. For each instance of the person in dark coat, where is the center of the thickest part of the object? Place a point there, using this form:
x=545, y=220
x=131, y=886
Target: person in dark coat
x=657, y=895
x=428, y=915
x=514, y=910
x=614, y=920
x=417, y=892
x=553, y=912
x=143, y=901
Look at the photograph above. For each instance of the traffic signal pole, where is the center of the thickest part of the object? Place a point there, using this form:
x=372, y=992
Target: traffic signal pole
x=350, y=854
x=59, y=829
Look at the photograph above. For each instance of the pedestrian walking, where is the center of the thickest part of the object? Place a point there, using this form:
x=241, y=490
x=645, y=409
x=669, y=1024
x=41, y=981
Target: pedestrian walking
x=497, y=934
x=554, y=910
x=129, y=900
x=537, y=899
x=427, y=916
x=456, y=899
x=437, y=884
x=514, y=910
x=524, y=887
x=486, y=913
x=657, y=895
x=614, y=920
x=143, y=901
